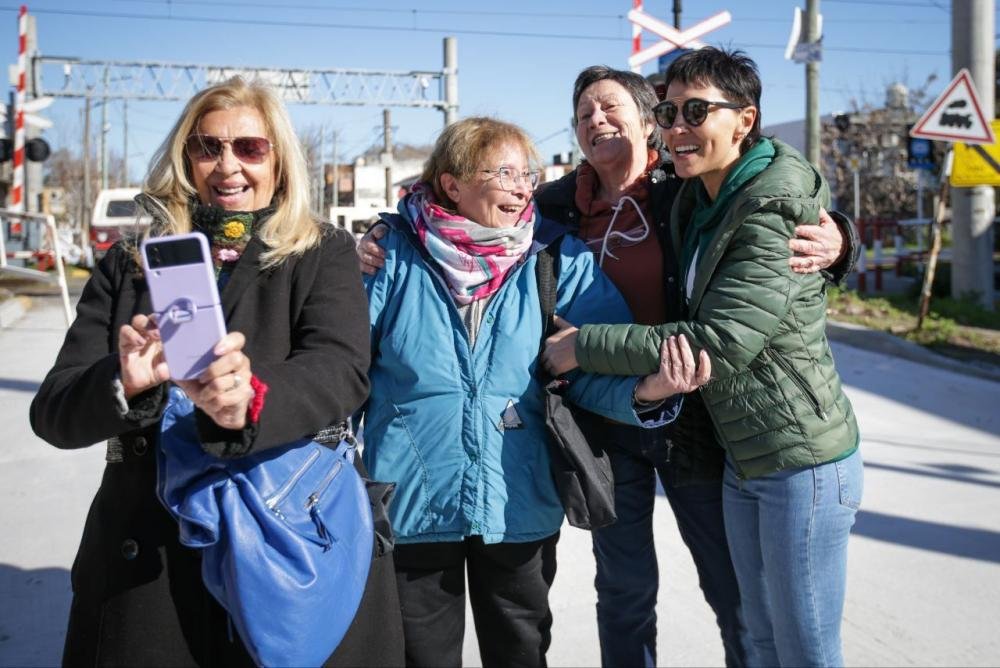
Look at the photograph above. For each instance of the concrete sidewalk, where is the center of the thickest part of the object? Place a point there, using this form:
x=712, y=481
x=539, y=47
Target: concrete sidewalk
x=924, y=580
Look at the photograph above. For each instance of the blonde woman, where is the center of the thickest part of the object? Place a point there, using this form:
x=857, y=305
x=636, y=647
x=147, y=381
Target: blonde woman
x=294, y=362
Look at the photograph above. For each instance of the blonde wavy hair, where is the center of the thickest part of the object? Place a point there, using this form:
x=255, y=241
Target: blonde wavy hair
x=292, y=229
x=462, y=148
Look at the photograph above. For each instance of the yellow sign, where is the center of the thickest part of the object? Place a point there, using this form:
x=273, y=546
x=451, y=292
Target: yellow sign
x=977, y=165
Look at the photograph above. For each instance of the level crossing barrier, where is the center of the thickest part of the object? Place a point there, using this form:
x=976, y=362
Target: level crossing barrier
x=33, y=237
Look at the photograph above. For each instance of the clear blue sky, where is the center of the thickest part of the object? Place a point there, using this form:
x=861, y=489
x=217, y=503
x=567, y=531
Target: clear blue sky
x=517, y=59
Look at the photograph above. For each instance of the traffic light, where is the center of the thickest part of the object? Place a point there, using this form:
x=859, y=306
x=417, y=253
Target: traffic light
x=37, y=149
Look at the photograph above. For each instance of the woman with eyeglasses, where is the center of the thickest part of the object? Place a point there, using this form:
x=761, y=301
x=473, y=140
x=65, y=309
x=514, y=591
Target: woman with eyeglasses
x=455, y=417
x=793, y=472
x=294, y=362
x=618, y=202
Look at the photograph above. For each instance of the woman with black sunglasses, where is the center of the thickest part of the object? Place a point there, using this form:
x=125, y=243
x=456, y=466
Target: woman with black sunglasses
x=793, y=473
x=295, y=362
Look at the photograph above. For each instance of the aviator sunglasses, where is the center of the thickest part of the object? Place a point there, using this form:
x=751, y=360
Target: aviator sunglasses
x=695, y=111
x=246, y=149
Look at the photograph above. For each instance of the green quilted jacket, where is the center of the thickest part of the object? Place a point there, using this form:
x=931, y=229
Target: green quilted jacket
x=775, y=398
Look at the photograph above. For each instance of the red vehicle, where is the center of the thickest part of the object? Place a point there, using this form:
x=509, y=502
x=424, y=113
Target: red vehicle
x=115, y=214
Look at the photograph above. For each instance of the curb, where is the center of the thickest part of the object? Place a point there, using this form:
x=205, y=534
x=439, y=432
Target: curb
x=859, y=336
x=13, y=309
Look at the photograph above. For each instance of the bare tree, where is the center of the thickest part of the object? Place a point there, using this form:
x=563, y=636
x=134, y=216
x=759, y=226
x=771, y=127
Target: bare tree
x=876, y=137
x=64, y=169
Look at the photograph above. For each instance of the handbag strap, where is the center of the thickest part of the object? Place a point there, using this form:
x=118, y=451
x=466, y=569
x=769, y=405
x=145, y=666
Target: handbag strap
x=547, y=275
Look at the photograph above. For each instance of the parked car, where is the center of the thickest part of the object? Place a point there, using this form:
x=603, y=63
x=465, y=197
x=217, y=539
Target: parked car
x=115, y=213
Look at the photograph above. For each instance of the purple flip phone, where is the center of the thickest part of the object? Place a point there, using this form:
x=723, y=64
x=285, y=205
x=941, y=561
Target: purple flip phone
x=185, y=297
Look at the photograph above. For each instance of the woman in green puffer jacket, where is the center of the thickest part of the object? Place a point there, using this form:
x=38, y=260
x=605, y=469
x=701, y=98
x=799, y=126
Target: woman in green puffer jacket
x=793, y=472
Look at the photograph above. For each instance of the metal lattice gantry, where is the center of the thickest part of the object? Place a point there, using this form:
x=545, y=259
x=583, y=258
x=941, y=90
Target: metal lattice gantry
x=161, y=81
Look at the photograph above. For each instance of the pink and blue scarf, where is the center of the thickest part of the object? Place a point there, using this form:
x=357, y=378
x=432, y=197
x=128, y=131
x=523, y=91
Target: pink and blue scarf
x=475, y=259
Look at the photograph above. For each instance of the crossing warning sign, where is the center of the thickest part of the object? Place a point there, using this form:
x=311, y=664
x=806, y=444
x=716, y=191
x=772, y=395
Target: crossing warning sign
x=956, y=115
x=977, y=165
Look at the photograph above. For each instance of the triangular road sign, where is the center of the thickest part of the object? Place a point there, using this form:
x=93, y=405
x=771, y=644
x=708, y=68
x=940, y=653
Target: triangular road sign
x=956, y=115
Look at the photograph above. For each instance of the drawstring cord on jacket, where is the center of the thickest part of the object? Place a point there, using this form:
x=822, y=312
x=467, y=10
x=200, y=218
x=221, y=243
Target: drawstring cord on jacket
x=610, y=232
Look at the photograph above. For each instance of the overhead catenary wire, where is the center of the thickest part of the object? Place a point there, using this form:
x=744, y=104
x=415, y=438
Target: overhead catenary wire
x=930, y=4
x=439, y=30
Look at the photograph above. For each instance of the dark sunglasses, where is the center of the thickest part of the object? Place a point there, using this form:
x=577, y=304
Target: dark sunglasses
x=695, y=111
x=246, y=149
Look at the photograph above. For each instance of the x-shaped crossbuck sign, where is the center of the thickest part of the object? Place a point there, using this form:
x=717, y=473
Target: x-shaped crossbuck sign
x=672, y=38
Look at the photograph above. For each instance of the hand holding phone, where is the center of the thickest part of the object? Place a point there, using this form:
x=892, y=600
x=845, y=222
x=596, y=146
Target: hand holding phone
x=140, y=356
x=224, y=390
x=185, y=295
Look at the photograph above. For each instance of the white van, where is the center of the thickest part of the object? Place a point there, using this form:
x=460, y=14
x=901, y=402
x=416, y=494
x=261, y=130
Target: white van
x=115, y=213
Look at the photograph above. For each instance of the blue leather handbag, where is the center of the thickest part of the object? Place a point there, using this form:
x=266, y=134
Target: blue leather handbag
x=286, y=536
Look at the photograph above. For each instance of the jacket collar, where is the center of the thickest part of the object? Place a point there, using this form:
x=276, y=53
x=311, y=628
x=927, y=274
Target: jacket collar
x=787, y=165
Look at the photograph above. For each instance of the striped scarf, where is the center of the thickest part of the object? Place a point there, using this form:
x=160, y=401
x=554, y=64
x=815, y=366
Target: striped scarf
x=474, y=259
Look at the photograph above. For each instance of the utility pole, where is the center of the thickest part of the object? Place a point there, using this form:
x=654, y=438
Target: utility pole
x=320, y=182
x=104, y=133
x=336, y=170
x=85, y=203
x=125, y=143
x=812, y=84
x=973, y=209
x=387, y=156
x=450, y=80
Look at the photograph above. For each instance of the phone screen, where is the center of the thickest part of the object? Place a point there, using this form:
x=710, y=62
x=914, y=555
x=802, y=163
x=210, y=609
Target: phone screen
x=173, y=253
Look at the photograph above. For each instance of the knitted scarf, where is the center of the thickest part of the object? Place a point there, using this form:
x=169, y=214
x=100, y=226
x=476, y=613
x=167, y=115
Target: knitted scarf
x=474, y=259
x=228, y=232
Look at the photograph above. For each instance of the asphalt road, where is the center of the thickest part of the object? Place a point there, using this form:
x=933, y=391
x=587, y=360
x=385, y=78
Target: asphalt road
x=924, y=576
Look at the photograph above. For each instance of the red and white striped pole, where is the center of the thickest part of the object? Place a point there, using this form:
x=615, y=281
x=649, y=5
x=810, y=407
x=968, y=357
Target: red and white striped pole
x=636, y=34
x=17, y=192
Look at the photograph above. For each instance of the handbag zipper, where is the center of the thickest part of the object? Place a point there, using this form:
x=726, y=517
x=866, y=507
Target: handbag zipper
x=799, y=381
x=279, y=496
x=315, y=496
x=312, y=505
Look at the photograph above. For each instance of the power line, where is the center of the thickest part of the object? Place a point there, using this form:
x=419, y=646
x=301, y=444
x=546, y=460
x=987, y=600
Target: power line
x=894, y=3
x=305, y=24
x=439, y=30
x=416, y=11
x=381, y=10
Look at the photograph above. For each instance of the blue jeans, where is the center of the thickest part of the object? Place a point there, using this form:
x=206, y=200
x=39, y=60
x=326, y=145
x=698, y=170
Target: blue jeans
x=627, y=573
x=788, y=537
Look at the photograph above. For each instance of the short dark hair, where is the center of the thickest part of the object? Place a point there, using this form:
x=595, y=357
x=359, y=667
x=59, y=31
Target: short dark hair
x=732, y=72
x=642, y=93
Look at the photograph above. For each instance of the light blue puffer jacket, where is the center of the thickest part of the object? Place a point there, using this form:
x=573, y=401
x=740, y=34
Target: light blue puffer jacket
x=434, y=423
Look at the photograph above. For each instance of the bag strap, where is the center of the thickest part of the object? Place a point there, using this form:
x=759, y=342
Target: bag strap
x=547, y=275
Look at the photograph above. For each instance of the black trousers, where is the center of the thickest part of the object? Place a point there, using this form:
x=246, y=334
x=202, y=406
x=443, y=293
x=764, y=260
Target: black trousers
x=508, y=591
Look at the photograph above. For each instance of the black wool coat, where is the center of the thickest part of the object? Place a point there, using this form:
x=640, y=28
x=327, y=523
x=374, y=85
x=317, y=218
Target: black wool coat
x=138, y=597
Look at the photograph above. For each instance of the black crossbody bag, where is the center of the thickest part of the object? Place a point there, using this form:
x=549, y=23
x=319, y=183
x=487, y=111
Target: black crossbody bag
x=581, y=469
